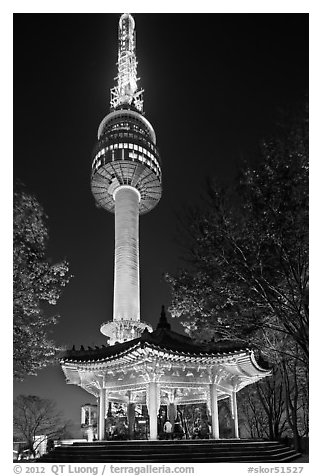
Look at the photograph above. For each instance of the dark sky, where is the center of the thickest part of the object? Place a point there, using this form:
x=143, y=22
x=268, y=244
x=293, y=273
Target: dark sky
x=214, y=84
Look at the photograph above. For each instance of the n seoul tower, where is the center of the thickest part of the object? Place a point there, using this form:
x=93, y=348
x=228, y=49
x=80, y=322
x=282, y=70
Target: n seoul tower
x=126, y=180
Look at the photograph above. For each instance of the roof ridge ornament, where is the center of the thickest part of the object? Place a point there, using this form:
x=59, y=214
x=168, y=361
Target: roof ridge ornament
x=145, y=335
x=163, y=322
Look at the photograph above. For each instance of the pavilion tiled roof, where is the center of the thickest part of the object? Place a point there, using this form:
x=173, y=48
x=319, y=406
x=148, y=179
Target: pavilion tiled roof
x=162, y=338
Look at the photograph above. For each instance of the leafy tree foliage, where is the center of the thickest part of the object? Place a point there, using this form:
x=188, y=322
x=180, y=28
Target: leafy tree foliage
x=35, y=281
x=246, y=273
x=247, y=262
x=34, y=416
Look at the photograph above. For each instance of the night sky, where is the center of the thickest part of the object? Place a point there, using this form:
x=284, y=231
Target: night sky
x=214, y=85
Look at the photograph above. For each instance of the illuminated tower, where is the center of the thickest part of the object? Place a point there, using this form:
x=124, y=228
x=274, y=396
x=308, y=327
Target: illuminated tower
x=126, y=180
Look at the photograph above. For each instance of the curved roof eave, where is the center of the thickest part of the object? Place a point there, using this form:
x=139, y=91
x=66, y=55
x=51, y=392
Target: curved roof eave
x=146, y=344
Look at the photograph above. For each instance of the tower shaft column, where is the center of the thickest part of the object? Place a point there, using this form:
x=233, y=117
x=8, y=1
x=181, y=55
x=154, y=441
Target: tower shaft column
x=126, y=282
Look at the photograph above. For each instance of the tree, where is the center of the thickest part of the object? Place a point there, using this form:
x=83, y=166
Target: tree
x=37, y=417
x=246, y=273
x=262, y=408
x=247, y=252
x=295, y=387
x=251, y=414
x=35, y=281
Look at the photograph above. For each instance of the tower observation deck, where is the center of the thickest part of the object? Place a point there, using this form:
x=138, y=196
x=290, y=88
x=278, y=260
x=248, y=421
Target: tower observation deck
x=126, y=180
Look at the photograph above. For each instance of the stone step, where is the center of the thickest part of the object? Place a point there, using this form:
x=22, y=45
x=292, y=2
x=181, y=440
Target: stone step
x=196, y=459
x=176, y=444
x=196, y=441
x=183, y=450
x=194, y=451
x=173, y=443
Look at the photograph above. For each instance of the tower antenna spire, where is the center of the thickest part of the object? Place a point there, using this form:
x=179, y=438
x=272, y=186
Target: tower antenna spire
x=126, y=91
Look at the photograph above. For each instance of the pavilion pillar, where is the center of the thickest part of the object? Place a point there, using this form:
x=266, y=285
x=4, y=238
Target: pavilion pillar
x=102, y=407
x=153, y=407
x=235, y=413
x=131, y=418
x=171, y=408
x=214, y=411
x=172, y=413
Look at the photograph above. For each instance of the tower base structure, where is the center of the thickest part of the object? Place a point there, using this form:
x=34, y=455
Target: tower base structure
x=122, y=331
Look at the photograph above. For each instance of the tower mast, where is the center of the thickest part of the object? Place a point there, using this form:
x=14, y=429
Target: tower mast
x=126, y=91
x=126, y=180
